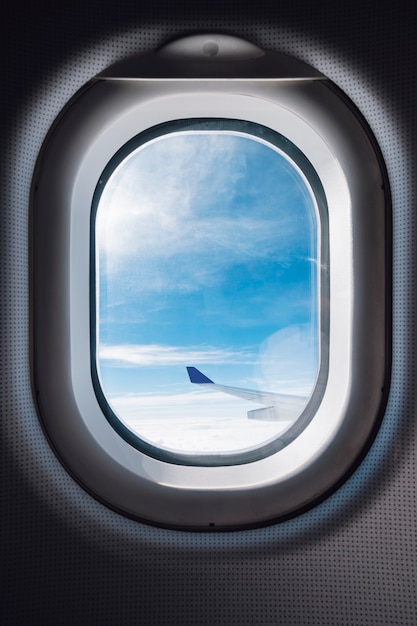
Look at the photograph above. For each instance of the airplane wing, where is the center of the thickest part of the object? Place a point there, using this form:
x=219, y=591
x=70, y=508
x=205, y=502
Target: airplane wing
x=278, y=405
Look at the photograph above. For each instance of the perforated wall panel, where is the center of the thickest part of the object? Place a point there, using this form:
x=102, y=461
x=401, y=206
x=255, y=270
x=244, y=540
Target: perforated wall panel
x=66, y=558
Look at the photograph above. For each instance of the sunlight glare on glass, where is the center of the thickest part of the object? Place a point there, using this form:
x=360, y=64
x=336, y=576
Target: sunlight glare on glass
x=207, y=257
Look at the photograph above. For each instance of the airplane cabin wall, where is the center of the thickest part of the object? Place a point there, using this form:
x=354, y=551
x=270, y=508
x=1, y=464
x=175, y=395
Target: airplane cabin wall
x=68, y=559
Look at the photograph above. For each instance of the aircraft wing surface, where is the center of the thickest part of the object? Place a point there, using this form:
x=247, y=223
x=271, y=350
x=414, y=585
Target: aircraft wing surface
x=279, y=405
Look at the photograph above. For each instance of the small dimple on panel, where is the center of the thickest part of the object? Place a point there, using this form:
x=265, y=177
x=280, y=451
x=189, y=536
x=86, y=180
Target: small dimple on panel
x=70, y=560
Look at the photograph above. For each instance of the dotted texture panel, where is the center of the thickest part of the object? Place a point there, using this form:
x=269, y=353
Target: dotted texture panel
x=66, y=558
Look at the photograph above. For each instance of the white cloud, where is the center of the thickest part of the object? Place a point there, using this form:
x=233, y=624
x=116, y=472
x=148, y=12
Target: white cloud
x=195, y=422
x=172, y=202
x=153, y=192
x=157, y=355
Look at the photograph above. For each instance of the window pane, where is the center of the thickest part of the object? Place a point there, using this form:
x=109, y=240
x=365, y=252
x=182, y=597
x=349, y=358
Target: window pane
x=207, y=257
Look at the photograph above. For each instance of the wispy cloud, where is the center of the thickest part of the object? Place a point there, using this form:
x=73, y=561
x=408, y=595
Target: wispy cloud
x=159, y=355
x=189, y=203
x=155, y=190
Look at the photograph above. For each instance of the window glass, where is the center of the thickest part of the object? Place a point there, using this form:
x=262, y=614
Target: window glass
x=206, y=256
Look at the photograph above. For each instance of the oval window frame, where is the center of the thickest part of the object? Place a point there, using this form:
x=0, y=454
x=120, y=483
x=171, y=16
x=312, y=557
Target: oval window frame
x=295, y=101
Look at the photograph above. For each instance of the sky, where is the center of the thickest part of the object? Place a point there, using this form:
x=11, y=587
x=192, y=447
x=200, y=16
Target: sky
x=207, y=256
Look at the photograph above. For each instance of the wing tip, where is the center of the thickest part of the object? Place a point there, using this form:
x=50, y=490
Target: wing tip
x=197, y=377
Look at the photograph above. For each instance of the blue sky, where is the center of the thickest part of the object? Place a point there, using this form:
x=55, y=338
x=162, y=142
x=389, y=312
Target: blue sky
x=207, y=256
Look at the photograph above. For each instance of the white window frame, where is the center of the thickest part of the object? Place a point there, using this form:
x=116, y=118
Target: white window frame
x=299, y=103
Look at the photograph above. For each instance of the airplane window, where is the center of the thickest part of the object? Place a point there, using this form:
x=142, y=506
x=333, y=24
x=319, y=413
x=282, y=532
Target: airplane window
x=207, y=253
x=210, y=285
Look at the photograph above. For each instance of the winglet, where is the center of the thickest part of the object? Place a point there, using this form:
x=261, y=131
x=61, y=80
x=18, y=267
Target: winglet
x=197, y=377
